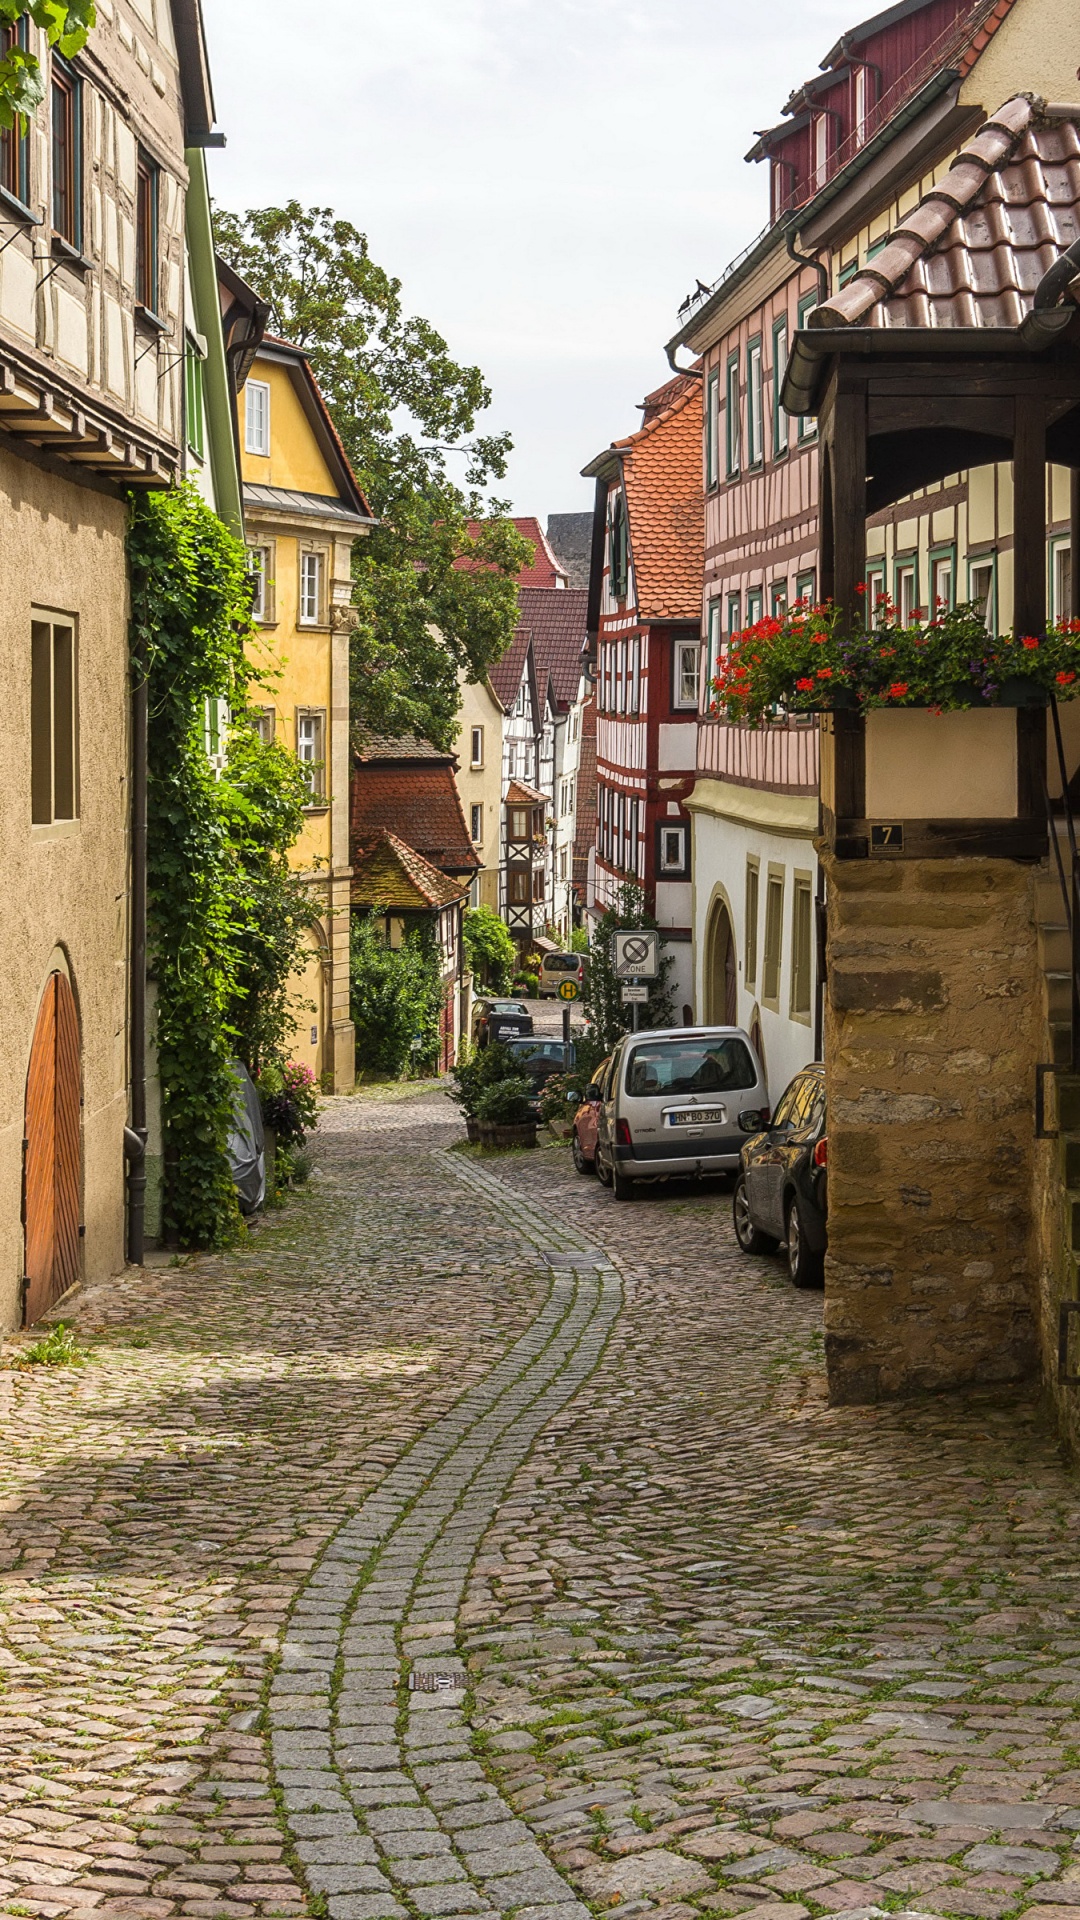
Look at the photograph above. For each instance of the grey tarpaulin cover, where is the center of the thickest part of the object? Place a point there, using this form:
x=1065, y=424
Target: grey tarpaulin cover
x=246, y=1157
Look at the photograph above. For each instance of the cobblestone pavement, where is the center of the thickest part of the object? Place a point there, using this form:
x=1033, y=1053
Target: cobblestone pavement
x=455, y=1421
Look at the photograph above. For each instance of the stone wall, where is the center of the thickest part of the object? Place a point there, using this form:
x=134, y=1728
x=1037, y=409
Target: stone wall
x=934, y=1023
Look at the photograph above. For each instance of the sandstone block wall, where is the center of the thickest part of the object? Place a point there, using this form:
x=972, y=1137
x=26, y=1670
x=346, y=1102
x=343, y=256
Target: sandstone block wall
x=934, y=1023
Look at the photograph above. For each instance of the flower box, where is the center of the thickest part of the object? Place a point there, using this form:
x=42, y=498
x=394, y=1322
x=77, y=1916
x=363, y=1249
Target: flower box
x=508, y=1136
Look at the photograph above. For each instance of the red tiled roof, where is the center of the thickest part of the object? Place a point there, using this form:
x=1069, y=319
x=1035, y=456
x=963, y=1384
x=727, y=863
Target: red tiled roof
x=666, y=504
x=417, y=803
x=519, y=795
x=975, y=248
x=557, y=622
x=392, y=874
x=544, y=571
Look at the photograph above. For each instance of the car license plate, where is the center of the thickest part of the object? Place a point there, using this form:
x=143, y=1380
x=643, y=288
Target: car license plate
x=501, y=1032
x=699, y=1117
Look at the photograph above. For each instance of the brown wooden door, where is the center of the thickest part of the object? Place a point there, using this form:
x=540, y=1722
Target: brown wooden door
x=53, y=1151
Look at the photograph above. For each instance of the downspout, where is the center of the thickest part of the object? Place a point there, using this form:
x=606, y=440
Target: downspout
x=220, y=411
x=808, y=260
x=135, y=1134
x=691, y=373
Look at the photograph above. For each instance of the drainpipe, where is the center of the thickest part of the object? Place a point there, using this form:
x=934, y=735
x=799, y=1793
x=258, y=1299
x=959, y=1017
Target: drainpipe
x=808, y=260
x=691, y=373
x=135, y=1134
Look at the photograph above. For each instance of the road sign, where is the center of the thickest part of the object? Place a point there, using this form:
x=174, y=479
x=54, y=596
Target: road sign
x=636, y=953
x=568, y=990
x=634, y=995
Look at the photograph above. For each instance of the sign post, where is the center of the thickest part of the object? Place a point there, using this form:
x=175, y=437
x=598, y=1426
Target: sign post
x=636, y=960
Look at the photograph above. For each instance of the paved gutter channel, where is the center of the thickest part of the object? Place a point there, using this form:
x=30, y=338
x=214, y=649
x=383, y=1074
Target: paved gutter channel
x=387, y=1811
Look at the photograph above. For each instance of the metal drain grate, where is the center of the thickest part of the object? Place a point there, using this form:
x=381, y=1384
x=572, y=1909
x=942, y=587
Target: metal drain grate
x=436, y=1680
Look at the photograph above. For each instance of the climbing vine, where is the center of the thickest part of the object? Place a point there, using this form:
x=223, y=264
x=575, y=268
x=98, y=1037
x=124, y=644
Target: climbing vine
x=225, y=916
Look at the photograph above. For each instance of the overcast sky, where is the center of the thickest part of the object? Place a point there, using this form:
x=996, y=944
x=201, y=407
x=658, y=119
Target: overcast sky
x=547, y=178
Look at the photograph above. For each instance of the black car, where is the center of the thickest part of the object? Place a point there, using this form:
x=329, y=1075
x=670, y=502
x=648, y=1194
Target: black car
x=540, y=1058
x=780, y=1189
x=501, y=1020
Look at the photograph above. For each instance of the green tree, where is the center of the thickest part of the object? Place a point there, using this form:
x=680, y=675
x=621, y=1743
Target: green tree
x=396, y=997
x=66, y=24
x=402, y=406
x=608, y=1019
x=489, y=949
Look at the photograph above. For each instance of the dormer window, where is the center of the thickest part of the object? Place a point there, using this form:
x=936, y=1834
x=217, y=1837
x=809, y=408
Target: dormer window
x=257, y=417
x=861, y=106
x=821, y=149
x=619, y=546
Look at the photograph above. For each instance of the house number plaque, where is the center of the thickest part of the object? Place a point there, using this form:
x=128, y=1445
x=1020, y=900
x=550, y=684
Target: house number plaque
x=886, y=836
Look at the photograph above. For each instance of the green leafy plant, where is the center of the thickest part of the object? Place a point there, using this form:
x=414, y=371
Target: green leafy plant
x=434, y=584
x=226, y=916
x=489, y=949
x=527, y=984
x=506, y=1103
x=57, y=1348
x=805, y=660
x=608, y=1018
x=560, y=1096
x=477, y=1069
x=288, y=1096
x=579, y=940
x=66, y=24
x=396, y=996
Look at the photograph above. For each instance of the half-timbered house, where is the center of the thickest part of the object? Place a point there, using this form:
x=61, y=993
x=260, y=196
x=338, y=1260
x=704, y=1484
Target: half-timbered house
x=644, y=624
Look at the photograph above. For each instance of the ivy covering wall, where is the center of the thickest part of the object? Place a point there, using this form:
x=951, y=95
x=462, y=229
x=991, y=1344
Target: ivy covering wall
x=226, y=918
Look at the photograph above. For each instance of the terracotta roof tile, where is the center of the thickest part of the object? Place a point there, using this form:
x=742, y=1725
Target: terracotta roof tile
x=666, y=505
x=392, y=874
x=519, y=795
x=976, y=247
x=544, y=570
x=419, y=804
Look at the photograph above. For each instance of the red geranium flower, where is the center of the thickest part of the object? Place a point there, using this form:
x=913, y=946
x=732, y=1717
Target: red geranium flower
x=1065, y=679
x=804, y=686
x=1029, y=641
x=897, y=691
x=824, y=673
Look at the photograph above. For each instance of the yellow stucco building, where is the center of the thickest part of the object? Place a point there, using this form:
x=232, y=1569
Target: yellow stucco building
x=303, y=511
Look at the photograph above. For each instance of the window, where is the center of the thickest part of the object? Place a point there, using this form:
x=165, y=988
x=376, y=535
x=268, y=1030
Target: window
x=265, y=719
x=715, y=637
x=15, y=141
x=802, y=920
x=807, y=423
x=310, y=749
x=261, y=569
x=689, y=1066
x=687, y=666
x=193, y=402
x=1061, y=581
x=54, y=724
x=779, y=363
x=774, y=928
x=146, y=235
x=906, y=594
x=860, y=103
x=732, y=416
x=538, y=883
x=477, y=829
x=821, y=149
x=518, y=891
x=754, y=605
x=712, y=429
x=734, y=614
x=778, y=599
x=257, y=417
x=981, y=583
x=66, y=154
x=755, y=438
x=753, y=877
x=943, y=582
x=519, y=823
x=619, y=548
x=806, y=586
x=875, y=594
x=673, y=858
x=635, y=675
x=476, y=750
x=311, y=572
x=564, y=863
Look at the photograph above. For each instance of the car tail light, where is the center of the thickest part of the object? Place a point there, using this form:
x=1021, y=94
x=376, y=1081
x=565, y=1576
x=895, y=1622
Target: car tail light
x=821, y=1152
x=623, y=1136
x=766, y=1116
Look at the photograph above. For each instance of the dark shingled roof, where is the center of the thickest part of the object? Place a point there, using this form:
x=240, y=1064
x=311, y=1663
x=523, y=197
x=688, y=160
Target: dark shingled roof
x=552, y=620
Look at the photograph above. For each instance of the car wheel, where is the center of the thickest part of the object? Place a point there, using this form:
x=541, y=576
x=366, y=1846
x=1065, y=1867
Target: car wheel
x=805, y=1267
x=603, y=1171
x=750, y=1238
x=624, y=1188
x=581, y=1160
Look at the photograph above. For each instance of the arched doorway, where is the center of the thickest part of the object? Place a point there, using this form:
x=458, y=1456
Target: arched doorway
x=722, y=977
x=52, y=1179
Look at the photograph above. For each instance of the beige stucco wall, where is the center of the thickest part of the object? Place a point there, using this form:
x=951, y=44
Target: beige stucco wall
x=482, y=786
x=1033, y=51
x=65, y=886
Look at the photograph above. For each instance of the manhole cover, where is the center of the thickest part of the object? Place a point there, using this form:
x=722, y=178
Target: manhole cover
x=436, y=1680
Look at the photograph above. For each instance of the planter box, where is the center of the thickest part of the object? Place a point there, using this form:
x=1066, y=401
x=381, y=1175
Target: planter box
x=908, y=782
x=523, y=1136
x=472, y=1129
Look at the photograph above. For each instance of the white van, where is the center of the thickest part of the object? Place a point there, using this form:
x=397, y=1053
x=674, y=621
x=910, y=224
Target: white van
x=557, y=967
x=678, y=1102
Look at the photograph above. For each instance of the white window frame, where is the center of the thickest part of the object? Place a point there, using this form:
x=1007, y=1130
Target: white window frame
x=311, y=750
x=781, y=422
x=477, y=818
x=310, y=608
x=261, y=569
x=755, y=400
x=672, y=831
x=681, y=674
x=714, y=626
x=1060, y=596
x=985, y=563
x=712, y=429
x=476, y=747
x=257, y=418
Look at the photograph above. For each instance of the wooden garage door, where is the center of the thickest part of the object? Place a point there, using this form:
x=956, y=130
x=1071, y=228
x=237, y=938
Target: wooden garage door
x=53, y=1149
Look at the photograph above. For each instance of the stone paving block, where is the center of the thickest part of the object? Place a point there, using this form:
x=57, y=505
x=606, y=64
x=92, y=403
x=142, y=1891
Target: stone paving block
x=366, y=1906
x=344, y=1878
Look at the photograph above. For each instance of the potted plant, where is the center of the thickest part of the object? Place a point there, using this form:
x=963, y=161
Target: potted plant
x=505, y=1113
x=476, y=1070
x=559, y=1099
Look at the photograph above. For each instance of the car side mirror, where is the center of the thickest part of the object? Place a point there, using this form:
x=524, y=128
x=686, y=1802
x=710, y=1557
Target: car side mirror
x=754, y=1119
x=593, y=1096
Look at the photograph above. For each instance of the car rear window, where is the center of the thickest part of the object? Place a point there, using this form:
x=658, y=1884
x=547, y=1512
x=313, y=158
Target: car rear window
x=561, y=962
x=530, y=1050
x=508, y=1006
x=690, y=1066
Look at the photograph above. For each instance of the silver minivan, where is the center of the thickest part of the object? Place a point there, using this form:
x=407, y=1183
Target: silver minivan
x=678, y=1102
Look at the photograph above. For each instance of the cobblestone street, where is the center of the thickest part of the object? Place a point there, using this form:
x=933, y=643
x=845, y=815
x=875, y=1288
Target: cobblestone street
x=469, y=1544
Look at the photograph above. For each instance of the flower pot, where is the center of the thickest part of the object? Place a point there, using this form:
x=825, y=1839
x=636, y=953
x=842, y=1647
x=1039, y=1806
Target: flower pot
x=1020, y=692
x=949, y=766
x=472, y=1129
x=509, y=1136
